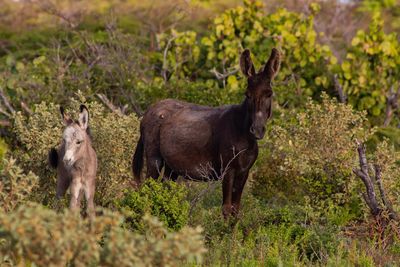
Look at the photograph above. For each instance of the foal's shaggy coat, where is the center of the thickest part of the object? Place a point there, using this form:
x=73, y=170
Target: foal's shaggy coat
x=76, y=161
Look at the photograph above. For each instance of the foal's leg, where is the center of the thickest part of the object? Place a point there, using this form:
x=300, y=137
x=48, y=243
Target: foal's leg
x=238, y=185
x=89, y=195
x=227, y=185
x=76, y=186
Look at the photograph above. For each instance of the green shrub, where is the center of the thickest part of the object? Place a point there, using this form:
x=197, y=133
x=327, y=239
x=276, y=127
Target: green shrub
x=15, y=186
x=114, y=139
x=311, y=153
x=165, y=200
x=371, y=68
x=33, y=234
x=3, y=150
x=305, y=67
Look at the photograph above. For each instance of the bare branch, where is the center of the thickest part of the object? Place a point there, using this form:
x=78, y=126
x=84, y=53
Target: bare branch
x=223, y=76
x=109, y=104
x=5, y=113
x=391, y=104
x=164, y=71
x=388, y=205
x=5, y=123
x=6, y=102
x=370, y=196
x=26, y=108
x=339, y=89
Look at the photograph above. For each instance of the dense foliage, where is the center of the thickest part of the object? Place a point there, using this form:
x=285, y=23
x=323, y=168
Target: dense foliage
x=164, y=200
x=312, y=153
x=28, y=232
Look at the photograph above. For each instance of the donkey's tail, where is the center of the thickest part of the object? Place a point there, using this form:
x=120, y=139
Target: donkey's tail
x=53, y=158
x=137, y=161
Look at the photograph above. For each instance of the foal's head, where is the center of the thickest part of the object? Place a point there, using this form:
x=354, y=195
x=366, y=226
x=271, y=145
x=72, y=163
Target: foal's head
x=75, y=136
x=259, y=90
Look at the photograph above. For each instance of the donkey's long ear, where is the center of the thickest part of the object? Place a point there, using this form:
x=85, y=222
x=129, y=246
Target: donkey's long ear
x=65, y=117
x=246, y=65
x=83, y=117
x=273, y=64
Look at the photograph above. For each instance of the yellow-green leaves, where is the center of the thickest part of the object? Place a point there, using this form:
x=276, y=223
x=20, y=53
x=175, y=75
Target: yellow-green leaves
x=371, y=68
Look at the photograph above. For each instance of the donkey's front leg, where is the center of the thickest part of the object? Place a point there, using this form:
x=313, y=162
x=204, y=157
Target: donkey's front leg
x=227, y=185
x=89, y=195
x=76, y=186
x=238, y=185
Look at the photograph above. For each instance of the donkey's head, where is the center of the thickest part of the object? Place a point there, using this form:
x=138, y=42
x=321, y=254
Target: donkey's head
x=75, y=136
x=259, y=90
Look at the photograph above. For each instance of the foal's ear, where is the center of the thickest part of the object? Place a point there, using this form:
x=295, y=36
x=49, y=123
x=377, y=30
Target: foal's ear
x=83, y=117
x=273, y=64
x=65, y=117
x=246, y=65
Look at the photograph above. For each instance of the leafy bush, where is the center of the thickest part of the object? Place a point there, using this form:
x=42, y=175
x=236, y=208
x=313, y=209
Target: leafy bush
x=15, y=186
x=371, y=68
x=114, y=139
x=304, y=68
x=107, y=61
x=31, y=230
x=311, y=153
x=165, y=200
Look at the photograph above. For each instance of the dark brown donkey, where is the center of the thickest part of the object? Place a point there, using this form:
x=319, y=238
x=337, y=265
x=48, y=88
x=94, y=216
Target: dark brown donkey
x=185, y=138
x=76, y=161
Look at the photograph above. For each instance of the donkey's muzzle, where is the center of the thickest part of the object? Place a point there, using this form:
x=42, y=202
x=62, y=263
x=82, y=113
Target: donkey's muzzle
x=257, y=132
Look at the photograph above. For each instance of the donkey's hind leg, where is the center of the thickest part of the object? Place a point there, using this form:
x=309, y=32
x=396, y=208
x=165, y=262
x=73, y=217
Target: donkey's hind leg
x=154, y=163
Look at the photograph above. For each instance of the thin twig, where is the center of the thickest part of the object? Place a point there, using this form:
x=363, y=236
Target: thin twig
x=339, y=89
x=391, y=104
x=109, y=104
x=6, y=102
x=26, y=108
x=164, y=71
x=223, y=76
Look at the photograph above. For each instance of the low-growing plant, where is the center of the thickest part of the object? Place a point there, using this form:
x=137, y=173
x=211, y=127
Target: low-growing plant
x=165, y=200
x=15, y=186
x=30, y=231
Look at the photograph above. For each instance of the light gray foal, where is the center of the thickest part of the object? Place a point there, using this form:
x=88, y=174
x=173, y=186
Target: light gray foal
x=76, y=161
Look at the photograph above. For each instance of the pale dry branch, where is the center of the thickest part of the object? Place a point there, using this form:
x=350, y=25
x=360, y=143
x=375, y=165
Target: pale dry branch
x=25, y=107
x=164, y=71
x=6, y=102
x=223, y=76
x=110, y=105
x=5, y=123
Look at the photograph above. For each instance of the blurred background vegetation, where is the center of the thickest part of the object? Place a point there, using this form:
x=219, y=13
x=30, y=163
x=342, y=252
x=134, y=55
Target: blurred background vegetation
x=303, y=206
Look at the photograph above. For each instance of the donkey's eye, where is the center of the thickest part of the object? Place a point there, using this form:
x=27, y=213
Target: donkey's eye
x=78, y=142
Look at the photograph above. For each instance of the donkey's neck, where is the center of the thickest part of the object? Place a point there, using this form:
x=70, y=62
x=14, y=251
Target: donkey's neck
x=242, y=117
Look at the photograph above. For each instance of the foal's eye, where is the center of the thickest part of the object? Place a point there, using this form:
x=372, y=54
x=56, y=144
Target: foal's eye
x=78, y=142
